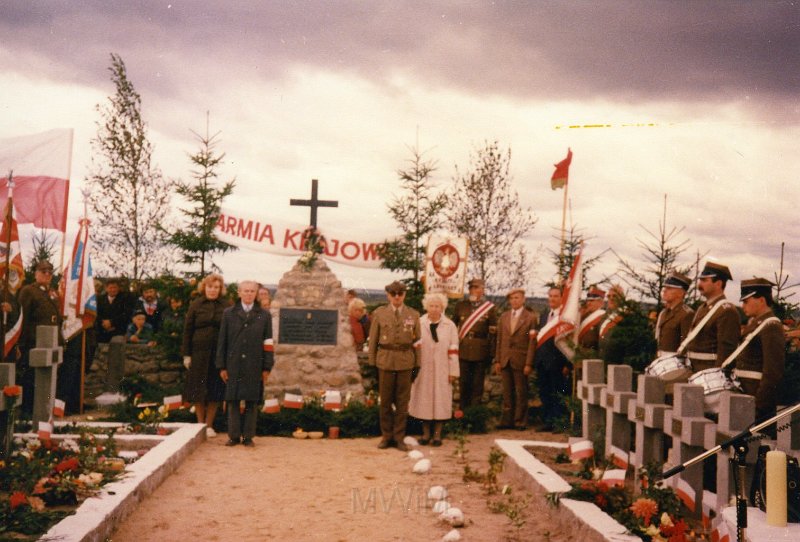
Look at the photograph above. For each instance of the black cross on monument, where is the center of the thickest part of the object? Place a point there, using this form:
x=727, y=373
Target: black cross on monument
x=314, y=203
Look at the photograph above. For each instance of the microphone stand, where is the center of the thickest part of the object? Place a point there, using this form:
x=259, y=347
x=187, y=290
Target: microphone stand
x=738, y=464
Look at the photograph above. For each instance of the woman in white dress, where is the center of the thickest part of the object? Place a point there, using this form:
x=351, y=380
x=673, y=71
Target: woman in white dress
x=432, y=390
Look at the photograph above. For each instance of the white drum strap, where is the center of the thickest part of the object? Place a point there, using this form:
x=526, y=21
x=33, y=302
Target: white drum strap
x=693, y=333
x=746, y=341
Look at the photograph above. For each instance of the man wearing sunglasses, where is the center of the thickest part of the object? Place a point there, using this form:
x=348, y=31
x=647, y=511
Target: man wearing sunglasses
x=393, y=338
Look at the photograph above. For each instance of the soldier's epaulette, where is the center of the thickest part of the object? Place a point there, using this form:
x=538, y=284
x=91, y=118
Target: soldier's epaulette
x=727, y=305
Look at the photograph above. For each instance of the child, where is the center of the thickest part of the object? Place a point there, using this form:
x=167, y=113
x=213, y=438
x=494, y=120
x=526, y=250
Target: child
x=139, y=331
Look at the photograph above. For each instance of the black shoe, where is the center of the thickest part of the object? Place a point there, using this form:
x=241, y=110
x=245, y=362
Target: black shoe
x=382, y=445
x=401, y=446
x=232, y=442
x=248, y=442
x=424, y=441
x=520, y=427
x=436, y=442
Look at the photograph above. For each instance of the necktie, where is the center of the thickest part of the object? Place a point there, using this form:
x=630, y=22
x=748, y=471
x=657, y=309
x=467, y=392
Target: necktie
x=514, y=320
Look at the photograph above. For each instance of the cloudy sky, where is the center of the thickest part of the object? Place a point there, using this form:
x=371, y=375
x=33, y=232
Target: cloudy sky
x=697, y=100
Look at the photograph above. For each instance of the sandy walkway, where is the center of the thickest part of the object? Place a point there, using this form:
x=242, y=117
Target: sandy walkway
x=326, y=490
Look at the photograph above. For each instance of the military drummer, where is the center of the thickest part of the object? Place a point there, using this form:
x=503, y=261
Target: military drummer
x=675, y=319
x=393, y=338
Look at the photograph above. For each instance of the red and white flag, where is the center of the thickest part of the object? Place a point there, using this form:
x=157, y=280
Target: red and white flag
x=10, y=250
x=561, y=174
x=173, y=402
x=563, y=328
x=80, y=301
x=721, y=533
x=614, y=477
x=269, y=345
x=271, y=406
x=58, y=408
x=619, y=457
x=292, y=400
x=41, y=170
x=581, y=449
x=333, y=400
x=45, y=430
x=685, y=493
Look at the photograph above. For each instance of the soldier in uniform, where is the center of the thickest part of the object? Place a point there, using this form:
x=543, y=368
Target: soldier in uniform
x=760, y=366
x=719, y=336
x=592, y=316
x=40, y=306
x=476, y=318
x=675, y=318
x=393, y=337
x=613, y=316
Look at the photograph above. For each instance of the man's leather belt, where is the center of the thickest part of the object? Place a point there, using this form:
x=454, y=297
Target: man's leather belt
x=397, y=347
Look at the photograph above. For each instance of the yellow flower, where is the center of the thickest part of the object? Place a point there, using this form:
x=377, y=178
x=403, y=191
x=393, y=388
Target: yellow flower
x=141, y=416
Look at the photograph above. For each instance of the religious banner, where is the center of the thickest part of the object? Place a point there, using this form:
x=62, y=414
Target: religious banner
x=264, y=234
x=446, y=265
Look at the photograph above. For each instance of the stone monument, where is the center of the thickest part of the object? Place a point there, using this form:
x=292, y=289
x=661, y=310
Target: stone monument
x=314, y=348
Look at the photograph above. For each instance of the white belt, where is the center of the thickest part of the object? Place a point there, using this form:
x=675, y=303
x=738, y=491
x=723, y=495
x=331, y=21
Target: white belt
x=702, y=356
x=664, y=353
x=752, y=375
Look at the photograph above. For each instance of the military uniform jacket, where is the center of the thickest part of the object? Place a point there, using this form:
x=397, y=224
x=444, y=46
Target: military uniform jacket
x=40, y=307
x=517, y=347
x=672, y=327
x=589, y=333
x=392, y=338
x=764, y=354
x=245, y=350
x=479, y=342
x=718, y=338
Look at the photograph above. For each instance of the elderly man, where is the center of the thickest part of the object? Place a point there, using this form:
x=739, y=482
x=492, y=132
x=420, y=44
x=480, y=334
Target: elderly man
x=675, y=318
x=40, y=306
x=244, y=359
x=513, y=360
x=716, y=321
x=760, y=366
x=476, y=318
x=592, y=317
x=393, y=336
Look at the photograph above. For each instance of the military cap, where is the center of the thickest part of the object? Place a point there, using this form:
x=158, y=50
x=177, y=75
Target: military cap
x=395, y=287
x=716, y=271
x=476, y=282
x=756, y=286
x=44, y=265
x=513, y=291
x=595, y=293
x=677, y=280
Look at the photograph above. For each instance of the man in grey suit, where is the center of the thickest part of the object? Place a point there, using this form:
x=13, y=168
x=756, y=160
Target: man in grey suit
x=245, y=358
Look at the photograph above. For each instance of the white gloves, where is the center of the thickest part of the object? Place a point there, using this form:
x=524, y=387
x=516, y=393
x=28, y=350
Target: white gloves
x=187, y=361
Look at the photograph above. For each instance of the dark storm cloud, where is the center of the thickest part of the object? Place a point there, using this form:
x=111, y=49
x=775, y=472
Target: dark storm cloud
x=626, y=50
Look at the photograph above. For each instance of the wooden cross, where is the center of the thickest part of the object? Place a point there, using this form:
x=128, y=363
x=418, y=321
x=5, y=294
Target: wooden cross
x=314, y=202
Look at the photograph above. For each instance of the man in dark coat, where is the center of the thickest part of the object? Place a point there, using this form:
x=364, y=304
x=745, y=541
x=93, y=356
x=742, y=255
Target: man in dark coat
x=114, y=309
x=152, y=305
x=40, y=306
x=245, y=358
x=552, y=367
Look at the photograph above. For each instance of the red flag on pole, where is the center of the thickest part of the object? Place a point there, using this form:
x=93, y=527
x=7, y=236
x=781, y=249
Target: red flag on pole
x=561, y=174
x=41, y=164
x=80, y=302
x=10, y=250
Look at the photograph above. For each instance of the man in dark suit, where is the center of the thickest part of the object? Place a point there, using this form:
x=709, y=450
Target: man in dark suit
x=152, y=306
x=244, y=358
x=552, y=367
x=513, y=361
x=114, y=309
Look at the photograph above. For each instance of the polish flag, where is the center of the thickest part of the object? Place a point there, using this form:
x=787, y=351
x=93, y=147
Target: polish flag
x=614, y=477
x=581, y=449
x=271, y=406
x=561, y=174
x=619, y=457
x=686, y=494
x=292, y=400
x=40, y=164
x=173, y=402
x=333, y=400
x=563, y=328
x=45, y=430
x=80, y=301
x=58, y=408
x=269, y=345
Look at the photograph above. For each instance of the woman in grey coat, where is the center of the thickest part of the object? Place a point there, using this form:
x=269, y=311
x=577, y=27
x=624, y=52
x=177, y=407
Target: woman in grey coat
x=244, y=358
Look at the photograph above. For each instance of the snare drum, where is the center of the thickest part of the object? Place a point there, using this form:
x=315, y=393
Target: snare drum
x=670, y=368
x=714, y=382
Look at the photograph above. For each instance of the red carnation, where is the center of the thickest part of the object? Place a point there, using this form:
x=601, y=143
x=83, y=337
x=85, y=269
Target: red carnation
x=17, y=498
x=68, y=464
x=12, y=391
x=458, y=414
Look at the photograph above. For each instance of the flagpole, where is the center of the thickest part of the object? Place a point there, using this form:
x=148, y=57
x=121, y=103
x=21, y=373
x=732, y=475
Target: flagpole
x=563, y=231
x=84, y=259
x=4, y=320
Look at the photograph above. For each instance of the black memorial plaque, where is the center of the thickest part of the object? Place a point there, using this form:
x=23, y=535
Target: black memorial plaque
x=308, y=326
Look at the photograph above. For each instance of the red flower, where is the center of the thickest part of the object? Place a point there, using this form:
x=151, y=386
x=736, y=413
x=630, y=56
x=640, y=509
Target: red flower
x=68, y=464
x=17, y=498
x=601, y=501
x=458, y=414
x=12, y=391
